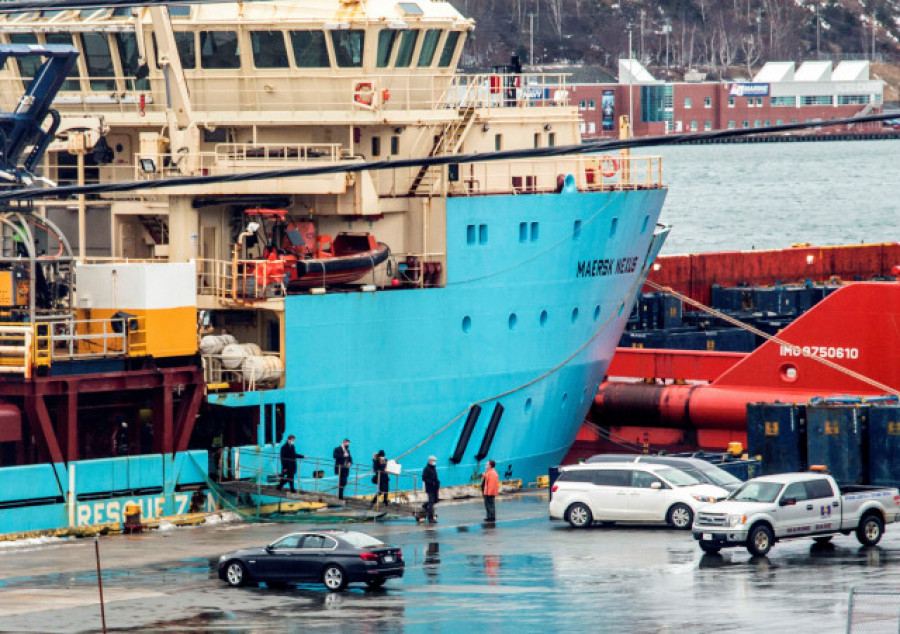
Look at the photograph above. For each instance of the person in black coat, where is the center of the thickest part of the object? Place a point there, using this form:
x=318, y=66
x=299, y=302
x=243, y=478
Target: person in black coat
x=379, y=466
x=289, y=458
x=342, y=463
x=432, y=487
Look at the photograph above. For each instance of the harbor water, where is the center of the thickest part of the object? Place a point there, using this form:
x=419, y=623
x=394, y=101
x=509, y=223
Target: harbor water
x=771, y=195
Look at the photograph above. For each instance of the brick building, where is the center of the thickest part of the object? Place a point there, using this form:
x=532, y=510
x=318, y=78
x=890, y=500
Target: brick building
x=780, y=93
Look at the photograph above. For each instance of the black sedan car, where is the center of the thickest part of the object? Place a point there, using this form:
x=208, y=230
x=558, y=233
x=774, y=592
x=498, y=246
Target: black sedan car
x=333, y=557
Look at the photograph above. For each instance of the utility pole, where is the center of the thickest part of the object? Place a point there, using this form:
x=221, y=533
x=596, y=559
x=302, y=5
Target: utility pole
x=531, y=18
x=630, y=81
x=642, y=36
x=818, y=28
x=873, y=36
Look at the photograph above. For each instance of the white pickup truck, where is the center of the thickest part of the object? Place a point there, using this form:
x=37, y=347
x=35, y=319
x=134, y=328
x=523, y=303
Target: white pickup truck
x=767, y=509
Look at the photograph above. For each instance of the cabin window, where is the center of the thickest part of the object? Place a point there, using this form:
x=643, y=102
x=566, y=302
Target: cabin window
x=187, y=51
x=537, y=139
x=65, y=38
x=429, y=46
x=28, y=66
x=498, y=142
x=395, y=145
x=348, y=47
x=376, y=146
x=309, y=49
x=386, y=39
x=449, y=49
x=179, y=11
x=219, y=50
x=523, y=232
x=407, y=46
x=126, y=43
x=551, y=139
x=269, y=50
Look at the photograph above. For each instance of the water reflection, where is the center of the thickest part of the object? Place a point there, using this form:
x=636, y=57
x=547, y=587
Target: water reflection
x=432, y=561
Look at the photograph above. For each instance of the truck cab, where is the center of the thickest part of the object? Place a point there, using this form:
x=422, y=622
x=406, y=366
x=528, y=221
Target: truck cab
x=771, y=508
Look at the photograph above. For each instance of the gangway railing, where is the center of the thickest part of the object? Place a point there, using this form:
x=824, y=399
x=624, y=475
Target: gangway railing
x=314, y=474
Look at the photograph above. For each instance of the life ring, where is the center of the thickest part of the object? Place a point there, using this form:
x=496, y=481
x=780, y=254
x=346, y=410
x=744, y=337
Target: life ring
x=385, y=95
x=608, y=166
x=363, y=93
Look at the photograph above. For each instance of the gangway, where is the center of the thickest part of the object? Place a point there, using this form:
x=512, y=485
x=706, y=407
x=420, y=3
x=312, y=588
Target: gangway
x=354, y=503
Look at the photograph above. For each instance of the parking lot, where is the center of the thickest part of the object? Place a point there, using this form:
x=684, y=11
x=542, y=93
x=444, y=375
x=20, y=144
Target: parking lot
x=524, y=572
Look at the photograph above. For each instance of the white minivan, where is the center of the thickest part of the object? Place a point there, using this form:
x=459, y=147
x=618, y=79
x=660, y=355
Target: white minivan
x=629, y=492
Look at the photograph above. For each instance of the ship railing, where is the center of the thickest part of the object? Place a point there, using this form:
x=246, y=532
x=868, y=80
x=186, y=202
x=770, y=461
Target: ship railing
x=611, y=172
x=230, y=374
x=24, y=347
x=232, y=158
x=17, y=349
x=79, y=339
x=241, y=280
x=290, y=91
x=519, y=90
x=313, y=473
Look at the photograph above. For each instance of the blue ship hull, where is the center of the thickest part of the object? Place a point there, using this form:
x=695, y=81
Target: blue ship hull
x=538, y=291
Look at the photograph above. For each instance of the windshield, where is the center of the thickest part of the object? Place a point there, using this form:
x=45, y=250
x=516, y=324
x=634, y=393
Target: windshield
x=677, y=477
x=361, y=540
x=719, y=476
x=757, y=492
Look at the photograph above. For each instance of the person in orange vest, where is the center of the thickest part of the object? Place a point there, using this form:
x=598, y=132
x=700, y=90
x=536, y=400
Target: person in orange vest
x=490, y=488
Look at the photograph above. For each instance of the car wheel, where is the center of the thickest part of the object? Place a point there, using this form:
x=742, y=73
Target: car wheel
x=759, y=543
x=870, y=530
x=823, y=540
x=236, y=573
x=579, y=515
x=375, y=583
x=680, y=516
x=710, y=548
x=334, y=577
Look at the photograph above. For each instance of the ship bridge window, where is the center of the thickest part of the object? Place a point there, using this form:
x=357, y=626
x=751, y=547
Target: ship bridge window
x=309, y=49
x=269, y=50
x=187, y=49
x=449, y=49
x=127, y=12
x=126, y=43
x=98, y=59
x=348, y=47
x=28, y=66
x=386, y=39
x=219, y=50
x=407, y=46
x=429, y=46
x=410, y=8
x=65, y=38
x=180, y=11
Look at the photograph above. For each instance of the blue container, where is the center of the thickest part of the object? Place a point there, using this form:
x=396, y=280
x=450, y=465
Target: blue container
x=731, y=299
x=884, y=445
x=777, y=433
x=835, y=439
x=670, y=311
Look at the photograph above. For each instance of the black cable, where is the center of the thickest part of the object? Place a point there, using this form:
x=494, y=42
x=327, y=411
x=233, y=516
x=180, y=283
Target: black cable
x=478, y=157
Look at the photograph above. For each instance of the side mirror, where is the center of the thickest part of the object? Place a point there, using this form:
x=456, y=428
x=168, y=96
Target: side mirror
x=270, y=549
x=787, y=502
x=656, y=485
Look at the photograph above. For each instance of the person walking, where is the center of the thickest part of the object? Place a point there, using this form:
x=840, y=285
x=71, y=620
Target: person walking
x=289, y=457
x=342, y=462
x=432, y=487
x=380, y=478
x=490, y=488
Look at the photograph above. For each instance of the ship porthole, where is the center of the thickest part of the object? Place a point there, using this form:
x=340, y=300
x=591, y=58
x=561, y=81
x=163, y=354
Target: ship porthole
x=596, y=312
x=543, y=317
x=528, y=405
x=574, y=315
x=467, y=323
x=513, y=320
x=788, y=372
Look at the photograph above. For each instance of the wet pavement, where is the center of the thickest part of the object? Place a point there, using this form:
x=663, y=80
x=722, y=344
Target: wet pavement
x=524, y=573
